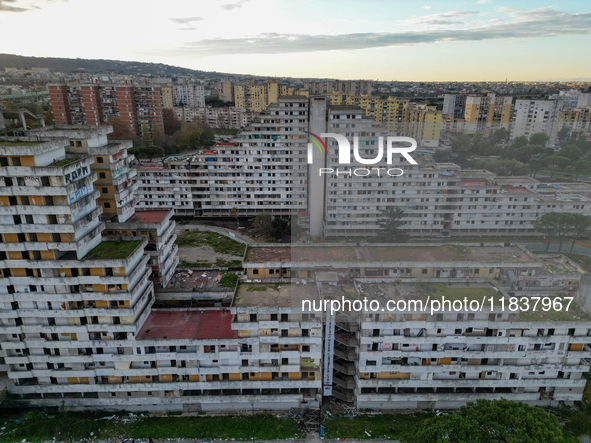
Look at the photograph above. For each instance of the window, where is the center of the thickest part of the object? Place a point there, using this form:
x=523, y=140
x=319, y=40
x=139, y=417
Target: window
x=99, y=160
x=107, y=205
x=104, y=190
x=102, y=175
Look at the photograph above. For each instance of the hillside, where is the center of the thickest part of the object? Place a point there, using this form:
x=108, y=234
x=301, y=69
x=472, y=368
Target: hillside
x=68, y=65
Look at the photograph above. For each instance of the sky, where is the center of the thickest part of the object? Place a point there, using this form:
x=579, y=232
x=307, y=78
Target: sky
x=418, y=40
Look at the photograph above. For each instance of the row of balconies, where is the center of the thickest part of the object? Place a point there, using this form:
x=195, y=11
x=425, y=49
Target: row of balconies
x=124, y=387
x=472, y=383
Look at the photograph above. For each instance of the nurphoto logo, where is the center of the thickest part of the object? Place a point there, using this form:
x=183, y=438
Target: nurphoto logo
x=392, y=147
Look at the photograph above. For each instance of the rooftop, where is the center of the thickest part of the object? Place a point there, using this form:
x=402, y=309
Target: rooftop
x=560, y=265
x=192, y=325
x=426, y=253
x=574, y=313
x=434, y=291
x=113, y=250
x=274, y=295
x=148, y=217
x=194, y=279
x=458, y=291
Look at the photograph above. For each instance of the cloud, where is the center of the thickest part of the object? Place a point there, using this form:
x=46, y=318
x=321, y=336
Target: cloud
x=185, y=20
x=231, y=6
x=536, y=23
x=482, y=2
x=10, y=6
x=426, y=7
x=442, y=22
x=4, y=7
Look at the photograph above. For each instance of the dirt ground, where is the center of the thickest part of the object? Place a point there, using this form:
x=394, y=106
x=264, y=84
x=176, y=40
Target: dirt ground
x=203, y=254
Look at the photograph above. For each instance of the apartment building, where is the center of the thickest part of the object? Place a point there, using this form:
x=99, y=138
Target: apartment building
x=228, y=118
x=166, y=96
x=353, y=87
x=447, y=359
x=454, y=105
x=189, y=114
x=577, y=120
x=226, y=91
x=264, y=169
x=424, y=125
x=162, y=187
x=255, y=96
x=78, y=328
x=487, y=113
x=188, y=93
x=138, y=105
x=533, y=116
x=404, y=359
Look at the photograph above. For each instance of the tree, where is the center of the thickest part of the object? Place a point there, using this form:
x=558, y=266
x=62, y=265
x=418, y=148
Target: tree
x=193, y=136
x=555, y=224
x=120, y=129
x=263, y=223
x=48, y=117
x=146, y=136
x=234, y=212
x=155, y=133
x=390, y=225
x=502, y=167
x=500, y=135
x=462, y=143
x=563, y=135
x=558, y=160
x=579, y=226
x=487, y=421
x=519, y=142
x=547, y=225
x=171, y=123
x=535, y=163
x=441, y=156
x=539, y=138
x=571, y=151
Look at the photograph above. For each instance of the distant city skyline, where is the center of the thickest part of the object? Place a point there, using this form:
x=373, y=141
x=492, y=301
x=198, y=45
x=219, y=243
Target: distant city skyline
x=477, y=40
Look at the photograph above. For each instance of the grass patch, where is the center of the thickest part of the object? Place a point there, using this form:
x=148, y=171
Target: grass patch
x=219, y=263
x=64, y=162
x=520, y=240
x=38, y=426
x=220, y=243
x=113, y=250
x=262, y=288
x=386, y=426
x=228, y=280
x=583, y=261
x=574, y=313
x=17, y=142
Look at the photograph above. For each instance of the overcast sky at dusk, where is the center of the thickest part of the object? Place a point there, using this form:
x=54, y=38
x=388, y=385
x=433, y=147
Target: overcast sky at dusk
x=385, y=40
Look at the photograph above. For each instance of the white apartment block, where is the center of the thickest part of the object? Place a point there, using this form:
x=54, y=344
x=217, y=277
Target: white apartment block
x=217, y=118
x=404, y=359
x=264, y=169
x=417, y=361
x=188, y=93
x=189, y=114
x=533, y=116
x=228, y=118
